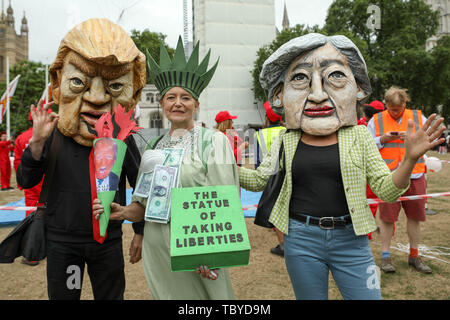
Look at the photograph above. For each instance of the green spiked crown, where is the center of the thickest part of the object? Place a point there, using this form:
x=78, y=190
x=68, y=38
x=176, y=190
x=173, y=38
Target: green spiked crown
x=189, y=75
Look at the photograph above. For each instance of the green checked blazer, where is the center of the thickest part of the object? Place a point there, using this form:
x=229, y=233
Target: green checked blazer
x=361, y=162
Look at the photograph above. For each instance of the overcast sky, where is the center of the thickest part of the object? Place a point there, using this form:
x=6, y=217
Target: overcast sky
x=50, y=20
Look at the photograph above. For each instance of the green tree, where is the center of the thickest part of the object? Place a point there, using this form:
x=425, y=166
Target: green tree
x=265, y=51
x=151, y=41
x=441, y=75
x=29, y=90
x=395, y=53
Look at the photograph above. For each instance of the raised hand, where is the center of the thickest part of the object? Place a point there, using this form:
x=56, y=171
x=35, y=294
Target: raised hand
x=43, y=122
x=419, y=142
x=43, y=125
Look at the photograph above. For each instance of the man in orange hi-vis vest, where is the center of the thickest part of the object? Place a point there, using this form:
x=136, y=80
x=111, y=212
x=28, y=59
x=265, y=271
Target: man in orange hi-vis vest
x=388, y=128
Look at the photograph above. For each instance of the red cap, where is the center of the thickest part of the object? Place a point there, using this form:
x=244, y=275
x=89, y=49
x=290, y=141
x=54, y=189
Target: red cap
x=273, y=117
x=224, y=115
x=377, y=105
x=29, y=113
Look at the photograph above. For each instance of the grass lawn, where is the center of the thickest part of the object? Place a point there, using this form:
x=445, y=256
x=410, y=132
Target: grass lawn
x=266, y=276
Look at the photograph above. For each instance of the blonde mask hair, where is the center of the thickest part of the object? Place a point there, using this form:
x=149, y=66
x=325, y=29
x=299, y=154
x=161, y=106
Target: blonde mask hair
x=102, y=42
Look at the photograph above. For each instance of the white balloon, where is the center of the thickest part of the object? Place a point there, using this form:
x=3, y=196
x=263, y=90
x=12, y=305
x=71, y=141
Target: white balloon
x=433, y=164
x=151, y=158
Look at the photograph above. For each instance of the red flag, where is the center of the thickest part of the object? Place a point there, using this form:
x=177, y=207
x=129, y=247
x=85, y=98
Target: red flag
x=8, y=94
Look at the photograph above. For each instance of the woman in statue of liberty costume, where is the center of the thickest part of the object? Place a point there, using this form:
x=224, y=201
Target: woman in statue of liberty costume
x=208, y=160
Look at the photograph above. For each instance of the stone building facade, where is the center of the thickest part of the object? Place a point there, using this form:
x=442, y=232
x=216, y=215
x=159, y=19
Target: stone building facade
x=12, y=45
x=233, y=30
x=443, y=7
x=151, y=114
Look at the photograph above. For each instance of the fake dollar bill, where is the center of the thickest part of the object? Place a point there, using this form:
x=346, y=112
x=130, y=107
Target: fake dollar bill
x=150, y=159
x=174, y=159
x=158, y=203
x=144, y=184
x=175, y=156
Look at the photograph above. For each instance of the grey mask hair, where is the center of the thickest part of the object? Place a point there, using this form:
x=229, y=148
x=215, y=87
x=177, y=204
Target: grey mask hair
x=275, y=67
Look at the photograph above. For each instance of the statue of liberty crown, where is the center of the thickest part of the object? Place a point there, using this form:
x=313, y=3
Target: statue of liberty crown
x=190, y=75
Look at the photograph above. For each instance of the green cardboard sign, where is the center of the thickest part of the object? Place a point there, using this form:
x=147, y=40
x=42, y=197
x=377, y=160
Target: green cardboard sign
x=207, y=228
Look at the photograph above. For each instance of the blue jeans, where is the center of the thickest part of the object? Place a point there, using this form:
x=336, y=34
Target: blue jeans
x=311, y=252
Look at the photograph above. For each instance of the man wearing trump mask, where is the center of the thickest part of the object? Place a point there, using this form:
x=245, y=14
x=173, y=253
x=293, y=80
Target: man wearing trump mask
x=97, y=67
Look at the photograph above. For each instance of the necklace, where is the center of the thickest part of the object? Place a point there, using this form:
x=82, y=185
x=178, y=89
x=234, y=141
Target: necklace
x=185, y=141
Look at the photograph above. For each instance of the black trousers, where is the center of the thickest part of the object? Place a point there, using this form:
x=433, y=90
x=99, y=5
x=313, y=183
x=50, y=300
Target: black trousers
x=65, y=269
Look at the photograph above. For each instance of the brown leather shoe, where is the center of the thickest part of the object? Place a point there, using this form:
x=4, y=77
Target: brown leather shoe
x=419, y=265
x=387, y=266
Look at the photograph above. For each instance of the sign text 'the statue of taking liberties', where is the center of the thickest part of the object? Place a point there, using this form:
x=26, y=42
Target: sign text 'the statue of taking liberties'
x=206, y=230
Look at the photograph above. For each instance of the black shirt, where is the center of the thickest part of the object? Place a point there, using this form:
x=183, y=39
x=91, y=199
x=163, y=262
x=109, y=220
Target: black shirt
x=317, y=188
x=68, y=215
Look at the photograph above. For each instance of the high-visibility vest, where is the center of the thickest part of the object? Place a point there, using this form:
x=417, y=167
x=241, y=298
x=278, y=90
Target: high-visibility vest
x=393, y=152
x=266, y=136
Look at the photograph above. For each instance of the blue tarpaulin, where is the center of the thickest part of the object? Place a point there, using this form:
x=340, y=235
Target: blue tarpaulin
x=249, y=198
x=12, y=217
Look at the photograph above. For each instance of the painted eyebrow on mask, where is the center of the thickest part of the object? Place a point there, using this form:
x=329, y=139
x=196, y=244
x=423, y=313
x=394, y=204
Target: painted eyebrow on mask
x=116, y=72
x=327, y=63
x=83, y=67
x=92, y=69
x=323, y=64
x=303, y=65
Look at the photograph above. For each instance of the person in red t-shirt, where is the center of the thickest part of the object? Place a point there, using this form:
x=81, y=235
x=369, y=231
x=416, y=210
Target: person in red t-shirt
x=5, y=162
x=31, y=195
x=369, y=110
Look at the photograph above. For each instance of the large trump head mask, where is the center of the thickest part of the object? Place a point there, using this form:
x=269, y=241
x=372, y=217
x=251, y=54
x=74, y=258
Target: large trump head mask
x=317, y=83
x=97, y=67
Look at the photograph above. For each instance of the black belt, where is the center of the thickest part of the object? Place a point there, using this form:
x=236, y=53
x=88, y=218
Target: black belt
x=326, y=223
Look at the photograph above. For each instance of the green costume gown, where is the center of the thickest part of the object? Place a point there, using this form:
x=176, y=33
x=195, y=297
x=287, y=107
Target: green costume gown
x=221, y=169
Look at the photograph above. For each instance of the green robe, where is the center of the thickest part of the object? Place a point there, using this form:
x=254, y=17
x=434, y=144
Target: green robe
x=163, y=283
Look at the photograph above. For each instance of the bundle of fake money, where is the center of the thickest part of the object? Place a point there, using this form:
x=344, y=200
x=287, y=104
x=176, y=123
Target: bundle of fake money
x=156, y=183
